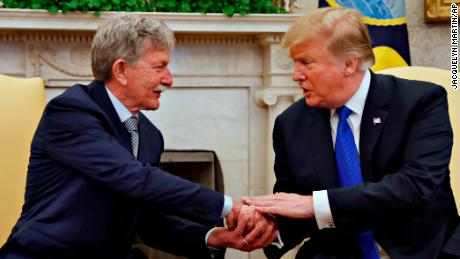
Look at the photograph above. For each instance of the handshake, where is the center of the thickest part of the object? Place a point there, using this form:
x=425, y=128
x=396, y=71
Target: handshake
x=252, y=227
x=247, y=229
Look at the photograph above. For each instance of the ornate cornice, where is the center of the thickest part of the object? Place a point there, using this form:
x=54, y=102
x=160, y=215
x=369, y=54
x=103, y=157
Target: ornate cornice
x=50, y=36
x=23, y=19
x=18, y=25
x=215, y=39
x=86, y=37
x=268, y=39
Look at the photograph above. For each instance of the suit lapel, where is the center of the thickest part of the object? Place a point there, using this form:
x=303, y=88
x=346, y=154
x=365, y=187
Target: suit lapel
x=374, y=117
x=97, y=92
x=144, y=139
x=324, y=155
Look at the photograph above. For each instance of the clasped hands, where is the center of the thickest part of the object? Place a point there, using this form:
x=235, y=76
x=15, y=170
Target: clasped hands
x=247, y=229
x=250, y=224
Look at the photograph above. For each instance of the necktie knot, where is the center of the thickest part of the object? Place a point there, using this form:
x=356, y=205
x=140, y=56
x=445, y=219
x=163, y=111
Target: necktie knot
x=131, y=124
x=344, y=112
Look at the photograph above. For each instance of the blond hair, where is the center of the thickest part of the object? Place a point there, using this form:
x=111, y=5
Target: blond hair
x=346, y=34
x=123, y=36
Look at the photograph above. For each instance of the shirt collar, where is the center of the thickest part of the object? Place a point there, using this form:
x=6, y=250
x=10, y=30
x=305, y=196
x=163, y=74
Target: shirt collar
x=122, y=111
x=358, y=100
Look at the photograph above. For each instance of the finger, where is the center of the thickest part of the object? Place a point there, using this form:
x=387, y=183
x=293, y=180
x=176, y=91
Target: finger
x=243, y=211
x=258, y=230
x=264, y=239
x=251, y=213
x=234, y=214
x=272, y=238
x=244, y=199
x=231, y=220
x=258, y=198
x=241, y=225
x=286, y=211
x=268, y=236
x=264, y=202
x=271, y=210
x=258, y=216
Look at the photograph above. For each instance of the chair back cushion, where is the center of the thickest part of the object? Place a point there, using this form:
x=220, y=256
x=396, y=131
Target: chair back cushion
x=441, y=77
x=21, y=104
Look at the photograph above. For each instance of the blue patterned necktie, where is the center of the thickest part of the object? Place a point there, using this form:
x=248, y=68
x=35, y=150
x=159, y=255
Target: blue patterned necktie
x=350, y=174
x=131, y=125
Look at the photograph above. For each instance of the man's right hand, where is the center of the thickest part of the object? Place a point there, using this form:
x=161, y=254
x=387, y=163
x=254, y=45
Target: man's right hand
x=252, y=231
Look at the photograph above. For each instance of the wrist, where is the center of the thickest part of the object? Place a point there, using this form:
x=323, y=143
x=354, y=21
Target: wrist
x=217, y=238
x=311, y=211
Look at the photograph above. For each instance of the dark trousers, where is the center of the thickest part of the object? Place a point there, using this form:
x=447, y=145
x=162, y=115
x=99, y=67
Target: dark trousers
x=14, y=251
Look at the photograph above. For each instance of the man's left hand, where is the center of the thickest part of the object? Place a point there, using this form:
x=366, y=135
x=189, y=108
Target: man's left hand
x=289, y=205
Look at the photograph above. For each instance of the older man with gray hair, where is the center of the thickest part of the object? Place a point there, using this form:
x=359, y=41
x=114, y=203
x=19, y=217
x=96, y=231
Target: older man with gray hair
x=93, y=179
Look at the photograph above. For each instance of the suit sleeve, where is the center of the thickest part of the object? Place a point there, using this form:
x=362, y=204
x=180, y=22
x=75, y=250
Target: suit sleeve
x=75, y=137
x=409, y=190
x=174, y=234
x=292, y=231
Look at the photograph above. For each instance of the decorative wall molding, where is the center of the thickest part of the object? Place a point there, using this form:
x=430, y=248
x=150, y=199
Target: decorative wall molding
x=18, y=25
x=282, y=59
x=24, y=36
x=87, y=37
x=21, y=19
x=215, y=39
x=269, y=96
x=268, y=39
x=71, y=69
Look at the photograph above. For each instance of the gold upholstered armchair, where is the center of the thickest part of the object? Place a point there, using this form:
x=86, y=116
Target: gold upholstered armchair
x=22, y=101
x=440, y=77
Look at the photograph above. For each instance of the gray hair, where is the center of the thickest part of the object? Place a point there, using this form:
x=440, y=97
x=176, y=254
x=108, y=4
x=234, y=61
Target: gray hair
x=123, y=36
x=347, y=35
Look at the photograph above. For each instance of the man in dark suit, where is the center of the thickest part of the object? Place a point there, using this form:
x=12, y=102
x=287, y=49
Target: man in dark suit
x=92, y=180
x=361, y=163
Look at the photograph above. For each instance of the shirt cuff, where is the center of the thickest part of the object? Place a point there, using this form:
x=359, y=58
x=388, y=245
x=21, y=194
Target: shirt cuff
x=323, y=214
x=228, y=205
x=278, y=242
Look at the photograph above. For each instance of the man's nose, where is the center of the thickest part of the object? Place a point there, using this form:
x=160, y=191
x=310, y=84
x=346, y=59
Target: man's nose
x=297, y=75
x=167, y=79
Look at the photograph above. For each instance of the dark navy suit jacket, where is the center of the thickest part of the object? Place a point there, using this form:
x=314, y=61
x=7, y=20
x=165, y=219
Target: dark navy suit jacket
x=86, y=195
x=407, y=200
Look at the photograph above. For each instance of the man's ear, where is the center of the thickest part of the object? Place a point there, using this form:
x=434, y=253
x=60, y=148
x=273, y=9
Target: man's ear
x=119, y=71
x=351, y=65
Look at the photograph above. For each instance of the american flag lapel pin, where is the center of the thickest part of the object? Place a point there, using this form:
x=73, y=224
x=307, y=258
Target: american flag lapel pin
x=377, y=120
